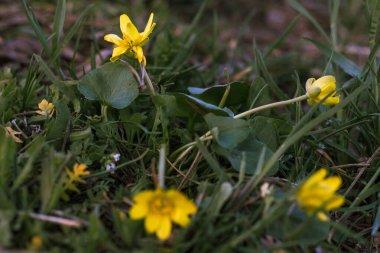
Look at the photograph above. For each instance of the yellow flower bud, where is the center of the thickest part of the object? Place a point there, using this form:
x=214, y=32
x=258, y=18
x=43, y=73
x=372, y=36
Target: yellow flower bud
x=321, y=88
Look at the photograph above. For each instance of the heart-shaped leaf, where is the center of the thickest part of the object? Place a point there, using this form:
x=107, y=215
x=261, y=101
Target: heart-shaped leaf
x=112, y=84
x=228, y=132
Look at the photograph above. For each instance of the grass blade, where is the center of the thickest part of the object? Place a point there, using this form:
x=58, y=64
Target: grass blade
x=298, y=7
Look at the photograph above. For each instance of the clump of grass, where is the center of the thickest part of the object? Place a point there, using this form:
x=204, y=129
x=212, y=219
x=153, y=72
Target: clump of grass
x=76, y=153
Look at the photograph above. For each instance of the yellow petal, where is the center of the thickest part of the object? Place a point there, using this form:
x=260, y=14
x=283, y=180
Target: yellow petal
x=331, y=101
x=117, y=52
x=152, y=222
x=163, y=232
x=322, y=216
x=182, y=202
x=180, y=217
x=124, y=21
x=139, y=54
x=148, y=28
x=113, y=38
x=40, y=112
x=80, y=169
x=335, y=202
x=327, y=91
x=132, y=32
x=149, y=24
x=325, y=82
x=143, y=197
x=138, y=211
x=333, y=183
x=315, y=178
x=43, y=104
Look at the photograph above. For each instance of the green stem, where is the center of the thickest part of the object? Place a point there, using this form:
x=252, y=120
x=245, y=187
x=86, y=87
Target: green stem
x=269, y=106
x=161, y=167
x=148, y=81
x=225, y=96
x=191, y=145
x=104, y=112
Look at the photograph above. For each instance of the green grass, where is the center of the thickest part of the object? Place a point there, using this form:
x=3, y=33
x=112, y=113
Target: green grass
x=223, y=171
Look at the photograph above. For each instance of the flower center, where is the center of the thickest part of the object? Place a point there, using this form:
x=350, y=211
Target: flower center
x=161, y=205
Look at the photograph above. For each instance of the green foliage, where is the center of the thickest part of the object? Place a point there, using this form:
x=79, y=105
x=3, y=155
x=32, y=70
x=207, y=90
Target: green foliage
x=112, y=84
x=243, y=173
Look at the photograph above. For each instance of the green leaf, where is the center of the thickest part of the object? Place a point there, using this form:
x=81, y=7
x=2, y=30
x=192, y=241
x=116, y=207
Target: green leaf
x=41, y=36
x=301, y=229
x=112, y=84
x=269, y=130
x=250, y=150
x=220, y=196
x=183, y=105
x=344, y=63
x=57, y=127
x=32, y=154
x=238, y=93
x=7, y=157
x=6, y=217
x=59, y=20
x=273, y=86
x=170, y=105
x=228, y=132
x=195, y=104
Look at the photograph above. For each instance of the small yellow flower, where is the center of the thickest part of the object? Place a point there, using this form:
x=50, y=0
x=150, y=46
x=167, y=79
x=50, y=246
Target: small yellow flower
x=160, y=208
x=132, y=41
x=46, y=108
x=320, y=88
x=36, y=243
x=12, y=133
x=75, y=176
x=317, y=194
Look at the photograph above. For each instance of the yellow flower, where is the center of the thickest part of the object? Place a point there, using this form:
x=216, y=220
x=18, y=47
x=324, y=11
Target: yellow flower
x=12, y=133
x=36, y=243
x=46, y=108
x=75, y=176
x=132, y=41
x=320, y=88
x=160, y=208
x=317, y=194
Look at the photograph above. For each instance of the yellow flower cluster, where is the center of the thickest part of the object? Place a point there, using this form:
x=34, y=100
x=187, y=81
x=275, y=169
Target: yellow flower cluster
x=46, y=108
x=132, y=41
x=75, y=176
x=321, y=88
x=160, y=208
x=317, y=194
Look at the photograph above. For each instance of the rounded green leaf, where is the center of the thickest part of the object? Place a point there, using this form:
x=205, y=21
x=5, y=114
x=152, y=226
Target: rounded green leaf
x=112, y=84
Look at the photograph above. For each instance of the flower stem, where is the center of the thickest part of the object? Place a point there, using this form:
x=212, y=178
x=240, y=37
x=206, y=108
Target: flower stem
x=272, y=105
x=208, y=136
x=148, y=81
x=104, y=112
x=161, y=167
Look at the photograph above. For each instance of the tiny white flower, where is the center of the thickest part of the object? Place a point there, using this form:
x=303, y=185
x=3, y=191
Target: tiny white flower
x=116, y=157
